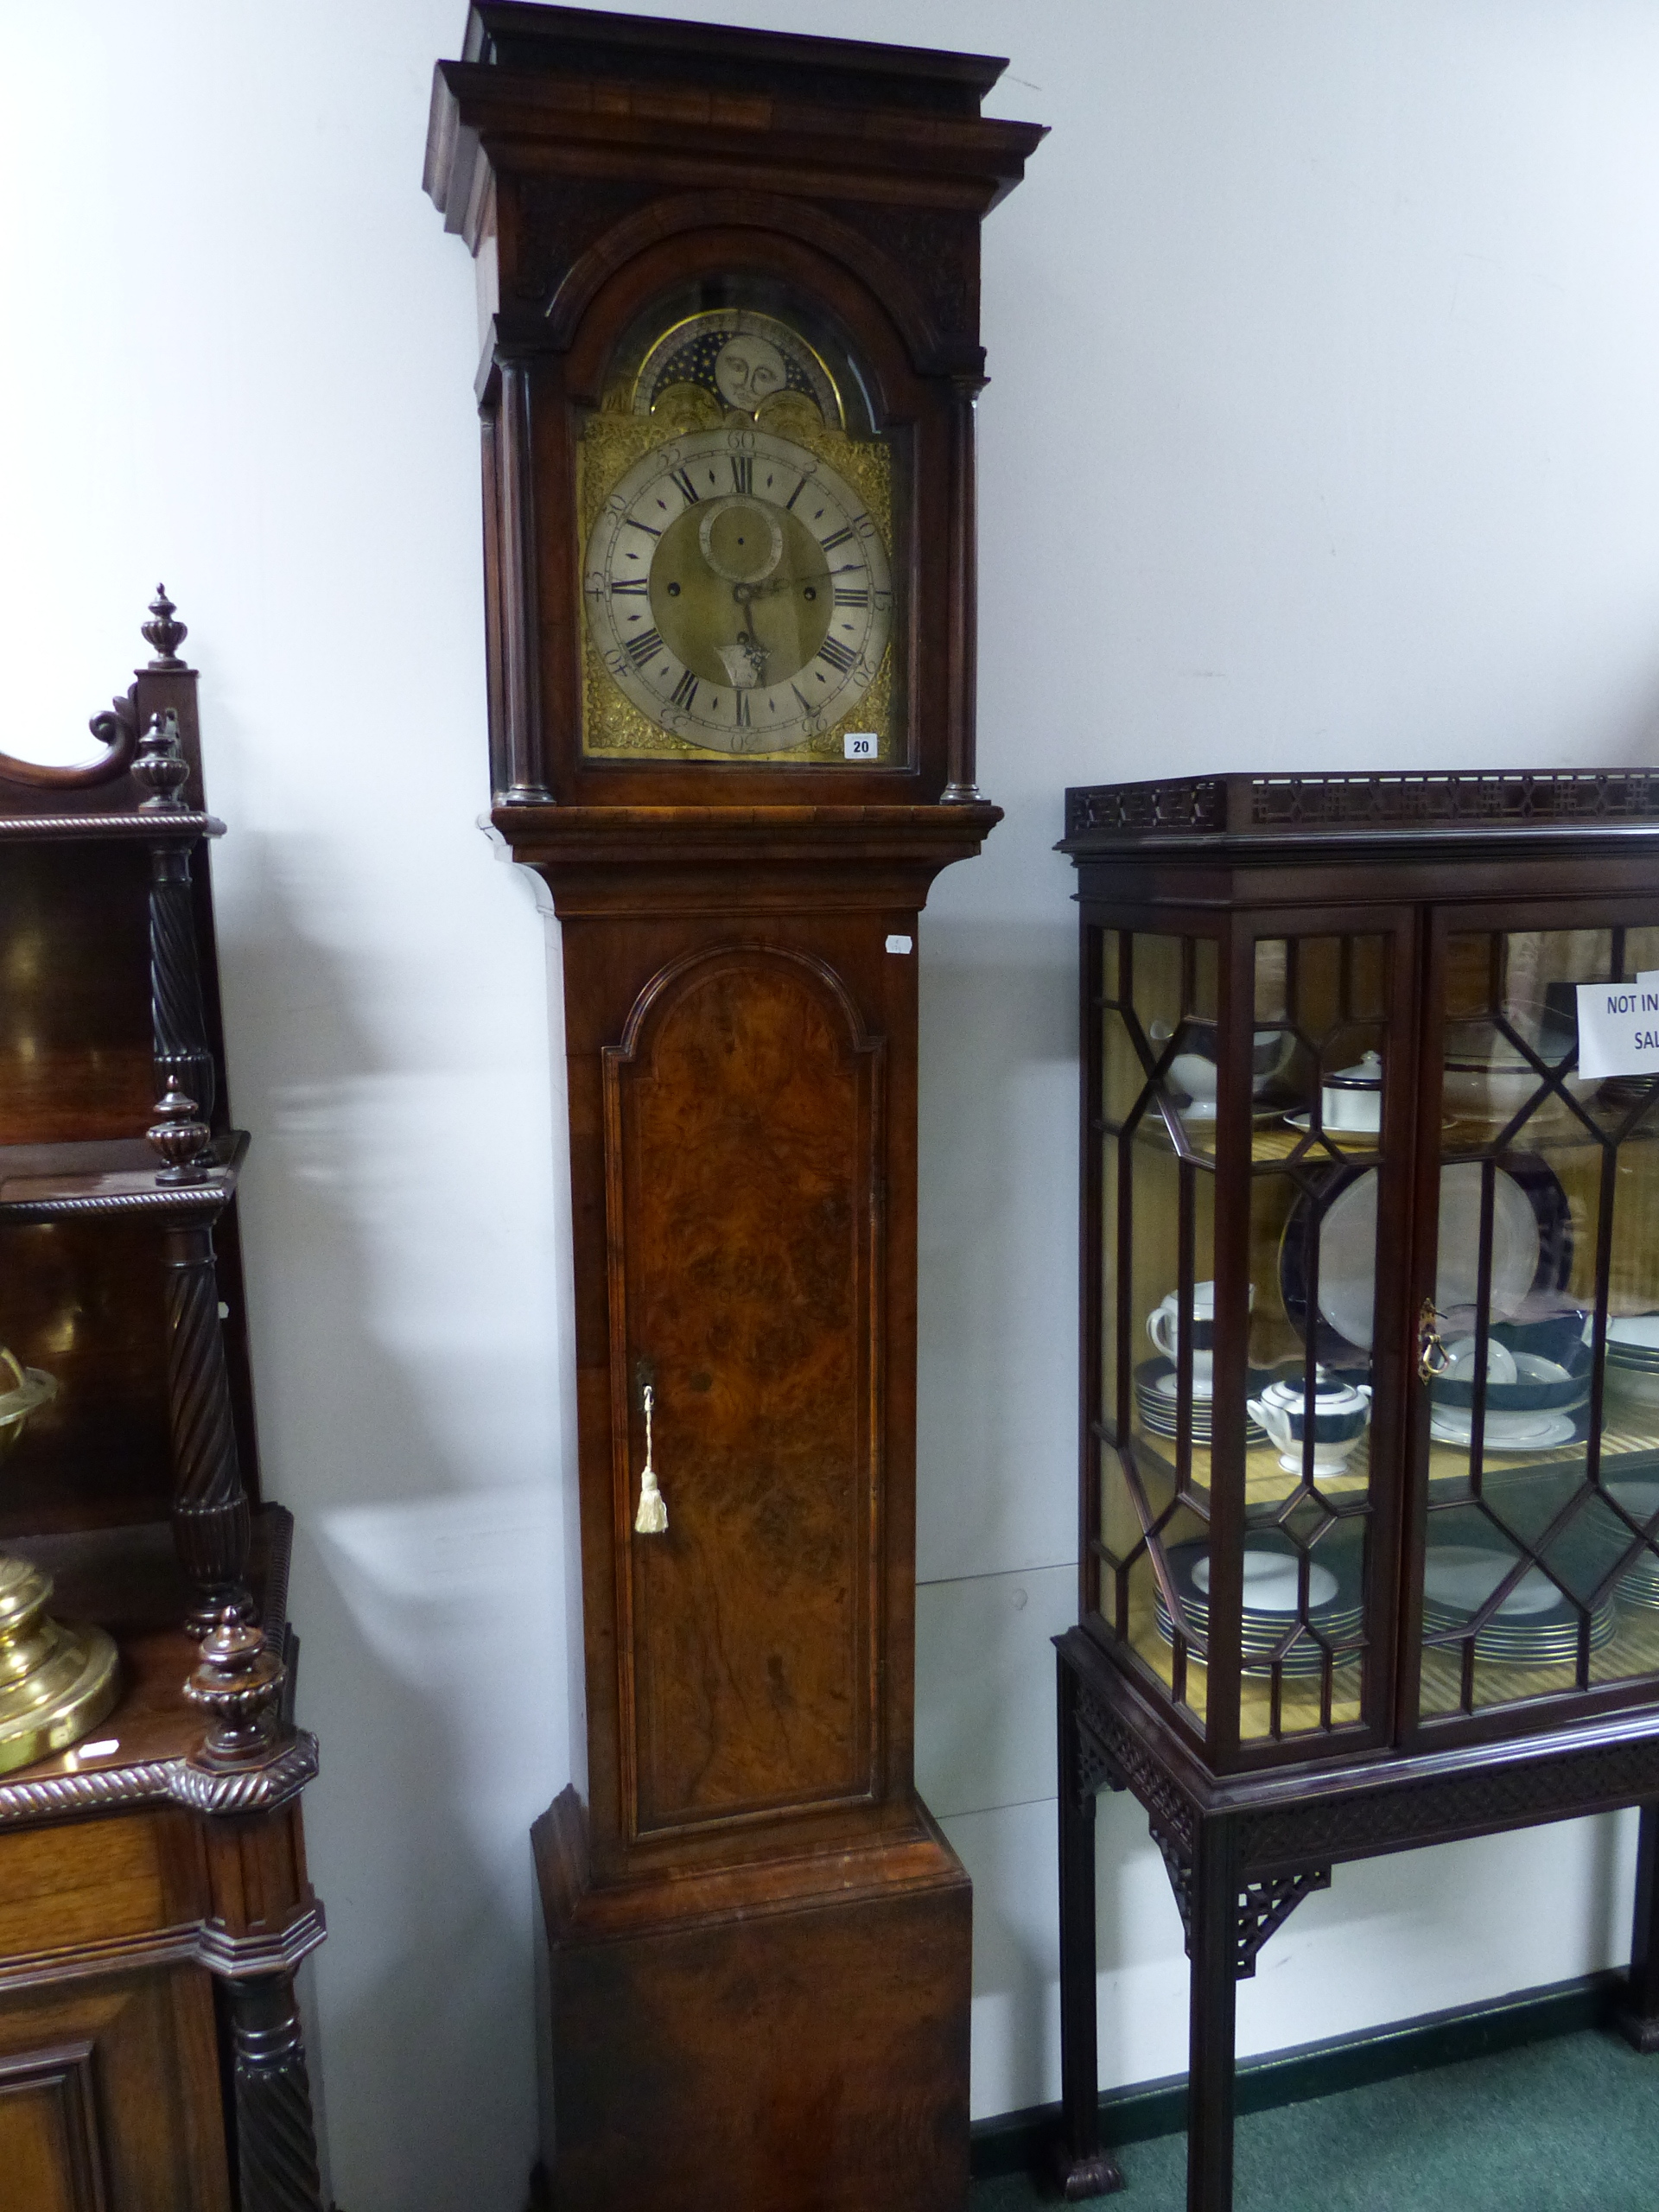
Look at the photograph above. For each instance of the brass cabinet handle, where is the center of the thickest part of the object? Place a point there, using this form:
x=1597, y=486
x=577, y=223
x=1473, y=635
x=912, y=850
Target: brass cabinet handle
x=651, y=1519
x=1433, y=1357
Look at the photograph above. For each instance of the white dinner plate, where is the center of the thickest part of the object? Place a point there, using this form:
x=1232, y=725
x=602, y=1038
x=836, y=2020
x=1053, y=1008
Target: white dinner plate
x=1348, y=1250
x=1270, y=1581
x=1505, y=1431
x=1462, y=1577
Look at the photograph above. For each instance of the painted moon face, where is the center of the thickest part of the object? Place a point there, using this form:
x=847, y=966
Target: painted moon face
x=748, y=370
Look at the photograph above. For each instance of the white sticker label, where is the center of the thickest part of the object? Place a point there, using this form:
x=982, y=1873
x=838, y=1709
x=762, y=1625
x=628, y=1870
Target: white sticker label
x=860, y=744
x=901, y=945
x=1618, y=1028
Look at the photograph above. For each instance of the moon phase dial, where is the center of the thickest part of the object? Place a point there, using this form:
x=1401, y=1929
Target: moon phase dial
x=738, y=591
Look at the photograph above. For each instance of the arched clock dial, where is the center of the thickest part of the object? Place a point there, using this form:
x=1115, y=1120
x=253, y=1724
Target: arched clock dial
x=738, y=590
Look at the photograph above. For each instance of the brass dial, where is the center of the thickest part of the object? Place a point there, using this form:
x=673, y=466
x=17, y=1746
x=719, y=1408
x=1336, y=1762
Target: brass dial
x=738, y=590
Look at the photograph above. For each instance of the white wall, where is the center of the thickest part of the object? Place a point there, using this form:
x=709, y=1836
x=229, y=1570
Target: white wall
x=1325, y=344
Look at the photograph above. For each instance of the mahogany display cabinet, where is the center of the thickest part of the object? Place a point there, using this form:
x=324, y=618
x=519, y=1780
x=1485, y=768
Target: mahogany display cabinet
x=1370, y=1472
x=153, y=1898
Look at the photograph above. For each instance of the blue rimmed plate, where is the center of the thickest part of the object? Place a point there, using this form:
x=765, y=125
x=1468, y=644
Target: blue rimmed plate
x=1532, y=1248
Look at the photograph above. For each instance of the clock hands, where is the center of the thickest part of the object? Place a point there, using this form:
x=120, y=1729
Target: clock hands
x=742, y=628
x=746, y=661
x=744, y=593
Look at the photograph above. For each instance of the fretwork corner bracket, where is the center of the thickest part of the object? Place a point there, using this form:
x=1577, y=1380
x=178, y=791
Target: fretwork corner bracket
x=1263, y=1905
x=1107, y=1752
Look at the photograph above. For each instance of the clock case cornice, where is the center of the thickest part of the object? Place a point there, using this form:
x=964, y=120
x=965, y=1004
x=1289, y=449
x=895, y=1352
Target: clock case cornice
x=684, y=859
x=594, y=162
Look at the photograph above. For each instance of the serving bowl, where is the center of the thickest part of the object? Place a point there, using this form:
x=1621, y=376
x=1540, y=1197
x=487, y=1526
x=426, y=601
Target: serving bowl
x=1546, y=1369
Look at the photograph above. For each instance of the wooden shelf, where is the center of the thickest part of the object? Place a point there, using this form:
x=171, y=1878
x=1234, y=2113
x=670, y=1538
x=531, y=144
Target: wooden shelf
x=129, y=1580
x=119, y=1175
x=143, y=829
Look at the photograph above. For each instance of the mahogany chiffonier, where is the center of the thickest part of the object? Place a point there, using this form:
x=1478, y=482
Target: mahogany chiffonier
x=153, y=1898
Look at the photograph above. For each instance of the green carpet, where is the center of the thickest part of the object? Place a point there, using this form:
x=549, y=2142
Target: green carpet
x=1567, y=2126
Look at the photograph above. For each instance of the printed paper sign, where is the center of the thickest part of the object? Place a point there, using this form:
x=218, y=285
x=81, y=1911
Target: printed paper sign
x=1618, y=1028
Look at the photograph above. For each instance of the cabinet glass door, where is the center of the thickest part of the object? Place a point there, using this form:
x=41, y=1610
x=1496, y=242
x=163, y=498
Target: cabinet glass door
x=1284, y=1436
x=1158, y=1079
x=1323, y=1173
x=1541, y=1354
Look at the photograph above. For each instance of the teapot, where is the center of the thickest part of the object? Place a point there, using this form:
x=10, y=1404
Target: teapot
x=1340, y=1413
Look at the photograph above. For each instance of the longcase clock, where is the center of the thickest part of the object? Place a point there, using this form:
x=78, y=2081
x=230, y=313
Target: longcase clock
x=729, y=287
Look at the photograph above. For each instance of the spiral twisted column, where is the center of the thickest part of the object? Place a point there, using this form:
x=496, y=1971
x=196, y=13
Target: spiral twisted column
x=184, y=1064
x=276, y=2141
x=210, y=1507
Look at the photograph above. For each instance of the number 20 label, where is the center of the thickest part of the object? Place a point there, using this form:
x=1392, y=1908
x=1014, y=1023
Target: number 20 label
x=860, y=744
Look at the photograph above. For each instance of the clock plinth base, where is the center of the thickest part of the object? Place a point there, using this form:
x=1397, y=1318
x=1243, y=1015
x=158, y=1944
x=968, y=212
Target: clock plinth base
x=755, y=2040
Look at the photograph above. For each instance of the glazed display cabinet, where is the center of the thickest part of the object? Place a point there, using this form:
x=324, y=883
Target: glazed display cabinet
x=1369, y=1474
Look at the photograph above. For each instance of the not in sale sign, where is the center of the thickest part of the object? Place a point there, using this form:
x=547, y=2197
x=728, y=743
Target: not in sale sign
x=1618, y=1028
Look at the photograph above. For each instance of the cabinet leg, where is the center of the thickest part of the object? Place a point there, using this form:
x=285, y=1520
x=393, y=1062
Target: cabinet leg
x=276, y=2142
x=1638, y=2017
x=1081, y=2166
x=1213, y=1941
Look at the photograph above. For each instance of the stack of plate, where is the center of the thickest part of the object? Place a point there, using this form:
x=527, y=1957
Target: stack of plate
x=1612, y=1539
x=1154, y=1399
x=1334, y=1605
x=1633, y=1359
x=1535, y=1626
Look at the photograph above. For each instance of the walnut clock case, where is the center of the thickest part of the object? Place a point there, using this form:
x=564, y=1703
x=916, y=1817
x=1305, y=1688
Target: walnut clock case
x=729, y=287
x=1370, y=1478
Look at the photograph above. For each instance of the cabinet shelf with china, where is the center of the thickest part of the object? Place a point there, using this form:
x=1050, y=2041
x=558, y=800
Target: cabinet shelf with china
x=1369, y=1474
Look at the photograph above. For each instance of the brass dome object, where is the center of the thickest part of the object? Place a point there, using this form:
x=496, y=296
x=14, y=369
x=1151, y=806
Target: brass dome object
x=56, y=1683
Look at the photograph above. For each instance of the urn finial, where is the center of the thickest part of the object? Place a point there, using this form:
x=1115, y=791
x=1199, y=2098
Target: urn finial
x=239, y=1684
x=163, y=633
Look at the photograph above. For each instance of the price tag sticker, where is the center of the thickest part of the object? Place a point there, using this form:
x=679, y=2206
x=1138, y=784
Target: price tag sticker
x=1618, y=1028
x=860, y=744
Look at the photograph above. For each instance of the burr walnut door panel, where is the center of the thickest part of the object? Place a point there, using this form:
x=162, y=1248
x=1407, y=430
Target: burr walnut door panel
x=743, y=1140
x=109, y=2097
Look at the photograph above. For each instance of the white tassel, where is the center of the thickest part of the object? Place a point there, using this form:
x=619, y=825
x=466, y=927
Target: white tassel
x=651, y=1519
